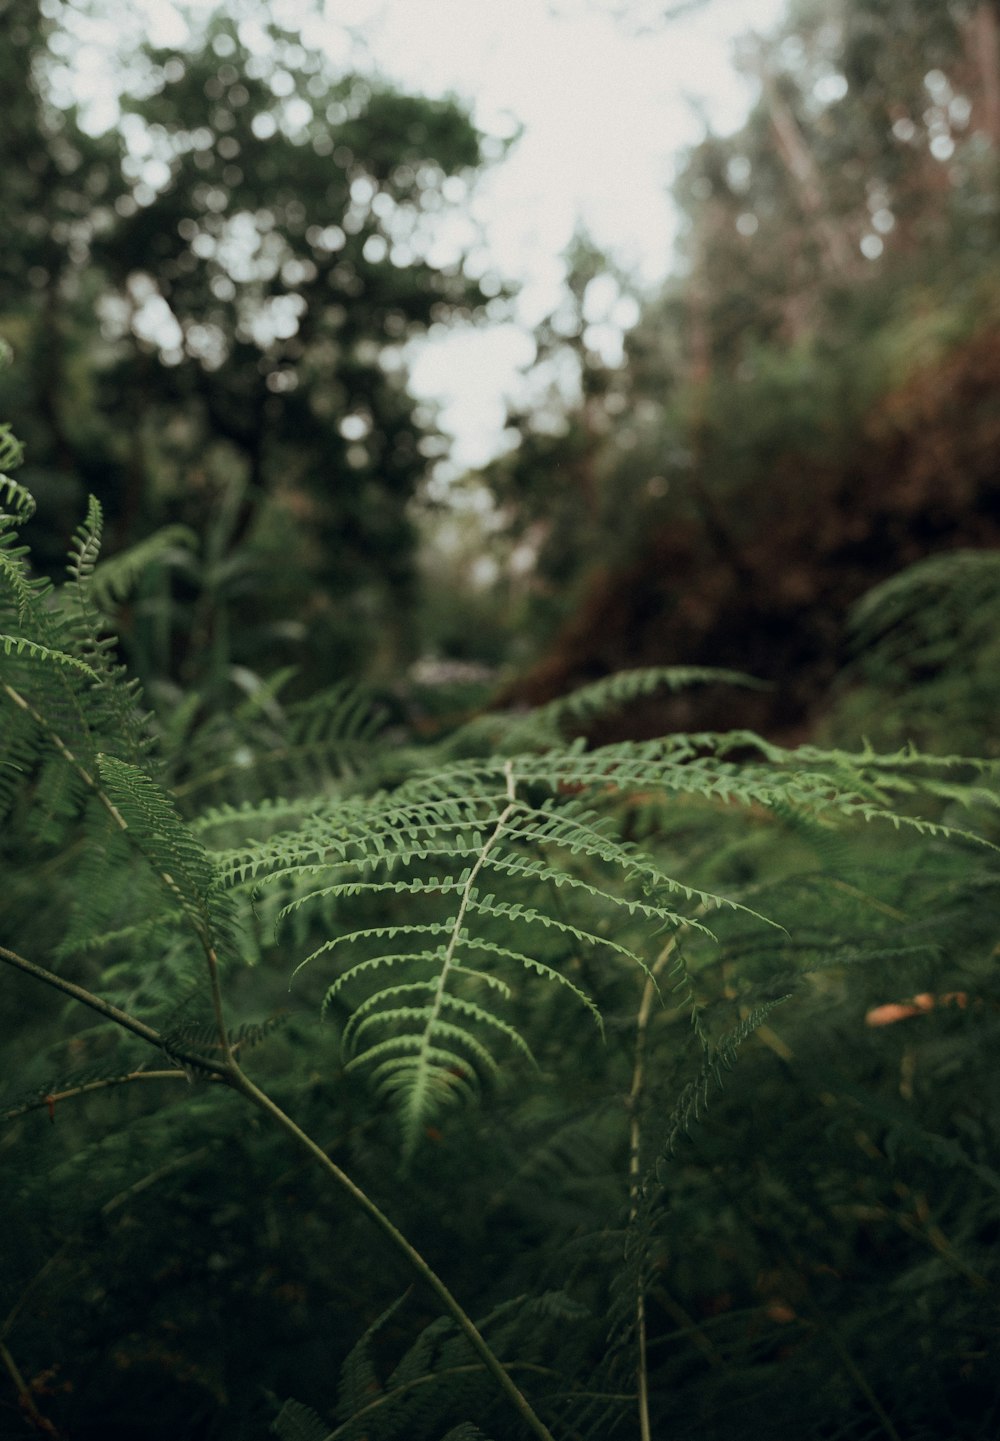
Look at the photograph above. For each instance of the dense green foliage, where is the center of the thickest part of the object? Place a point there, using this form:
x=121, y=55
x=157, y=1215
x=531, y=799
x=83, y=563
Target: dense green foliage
x=537, y=963
x=380, y=1069
x=234, y=269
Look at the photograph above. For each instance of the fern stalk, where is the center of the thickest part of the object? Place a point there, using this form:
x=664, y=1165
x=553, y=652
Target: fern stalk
x=53, y=1098
x=649, y=992
x=416, y=1100
x=220, y=1017
x=67, y=755
x=230, y=1073
x=25, y=1399
x=242, y=1083
x=113, y=1013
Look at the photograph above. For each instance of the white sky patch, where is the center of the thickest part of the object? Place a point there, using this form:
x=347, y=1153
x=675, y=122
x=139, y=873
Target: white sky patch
x=604, y=112
x=470, y=374
x=604, y=116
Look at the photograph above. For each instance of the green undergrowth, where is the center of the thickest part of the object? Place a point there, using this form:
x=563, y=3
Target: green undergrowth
x=359, y=1087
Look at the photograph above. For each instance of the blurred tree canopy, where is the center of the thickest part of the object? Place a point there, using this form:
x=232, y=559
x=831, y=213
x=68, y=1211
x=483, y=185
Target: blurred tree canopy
x=208, y=303
x=806, y=407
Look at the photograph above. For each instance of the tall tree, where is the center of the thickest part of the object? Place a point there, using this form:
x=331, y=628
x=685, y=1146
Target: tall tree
x=838, y=252
x=210, y=303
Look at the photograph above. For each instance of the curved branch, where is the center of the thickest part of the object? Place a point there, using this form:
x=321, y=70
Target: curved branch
x=114, y=1013
x=231, y=1075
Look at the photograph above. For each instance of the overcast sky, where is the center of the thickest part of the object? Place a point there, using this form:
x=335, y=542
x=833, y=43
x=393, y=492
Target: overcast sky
x=605, y=108
x=605, y=111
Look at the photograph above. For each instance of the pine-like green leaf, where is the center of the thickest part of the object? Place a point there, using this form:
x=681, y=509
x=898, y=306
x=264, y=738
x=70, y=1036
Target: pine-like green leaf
x=15, y=500
x=156, y=829
x=296, y=1422
x=693, y=1100
x=21, y=646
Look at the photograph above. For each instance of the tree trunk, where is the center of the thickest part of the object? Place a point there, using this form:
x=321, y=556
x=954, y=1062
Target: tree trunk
x=804, y=174
x=983, y=45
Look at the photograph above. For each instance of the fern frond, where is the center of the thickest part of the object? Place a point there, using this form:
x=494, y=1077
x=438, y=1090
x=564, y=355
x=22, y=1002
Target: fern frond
x=86, y=544
x=19, y=645
x=203, y=1035
x=693, y=1100
x=261, y=744
x=418, y=1399
x=419, y=1360
x=177, y=857
x=296, y=1422
x=547, y=727
x=113, y=579
x=358, y=1378
x=423, y=1077
x=366, y=1015
x=912, y=617
x=11, y=456
x=423, y=1018
x=444, y=830
x=533, y=824
x=26, y=591
x=619, y=689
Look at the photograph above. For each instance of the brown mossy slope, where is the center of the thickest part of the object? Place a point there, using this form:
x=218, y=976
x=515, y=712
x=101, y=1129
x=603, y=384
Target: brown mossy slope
x=923, y=477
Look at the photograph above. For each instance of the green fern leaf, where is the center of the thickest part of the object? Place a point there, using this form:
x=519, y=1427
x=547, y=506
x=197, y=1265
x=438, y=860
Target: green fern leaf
x=296, y=1422
x=176, y=855
x=693, y=1100
x=11, y=449
x=359, y=1381
x=114, y=579
x=15, y=500
x=21, y=646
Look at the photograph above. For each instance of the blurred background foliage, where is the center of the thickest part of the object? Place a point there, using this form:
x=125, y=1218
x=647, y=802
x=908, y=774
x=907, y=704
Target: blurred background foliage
x=210, y=304
x=795, y=472
x=810, y=405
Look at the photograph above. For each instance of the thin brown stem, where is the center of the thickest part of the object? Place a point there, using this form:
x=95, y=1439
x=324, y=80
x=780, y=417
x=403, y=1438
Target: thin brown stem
x=52, y=1098
x=231, y=1075
x=449, y=1303
x=649, y=993
x=40, y=1422
x=113, y=1013
x=220, y=1019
